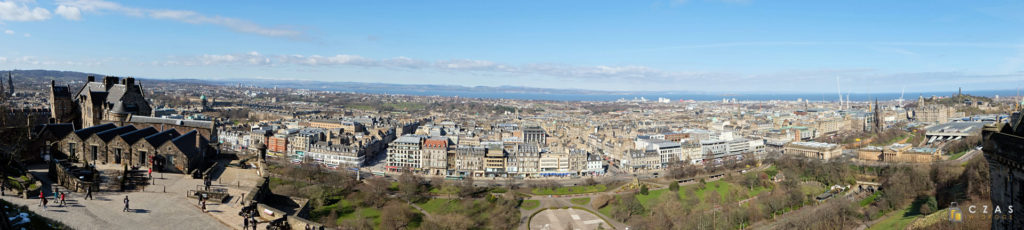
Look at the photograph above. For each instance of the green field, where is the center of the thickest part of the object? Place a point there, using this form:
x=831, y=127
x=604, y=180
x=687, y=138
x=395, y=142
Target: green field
x=530, y=204
x=957, y=155
x=440, y=206
x=870, y=199
x=898, y=220
x=369, y=213
x=570, y=190
x=581, y=201
x=718, y=188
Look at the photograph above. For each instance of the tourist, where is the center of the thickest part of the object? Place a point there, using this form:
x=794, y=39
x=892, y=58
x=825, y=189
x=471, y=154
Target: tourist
x=56, y=194
x=125, y=204
x=42, y=199
x=62, y=203
x=203, y=205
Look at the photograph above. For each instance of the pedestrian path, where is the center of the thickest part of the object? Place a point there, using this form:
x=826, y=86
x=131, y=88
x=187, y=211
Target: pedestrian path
x=149, y=209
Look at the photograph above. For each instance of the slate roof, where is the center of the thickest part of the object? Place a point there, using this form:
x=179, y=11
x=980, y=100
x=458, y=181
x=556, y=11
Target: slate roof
x=169, y=121
x=57, y=130
x=109, y=134
x=187, y=143
x=161, y=137
x=135, y=136
x=100, y=94
x=86, y=132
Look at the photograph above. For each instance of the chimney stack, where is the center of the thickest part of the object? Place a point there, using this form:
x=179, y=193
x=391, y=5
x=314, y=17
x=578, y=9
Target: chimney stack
x=109, y=81
x=92, y=78
x=129, y=81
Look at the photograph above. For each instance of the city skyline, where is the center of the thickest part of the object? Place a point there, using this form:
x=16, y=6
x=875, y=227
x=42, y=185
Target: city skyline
x=708, y=46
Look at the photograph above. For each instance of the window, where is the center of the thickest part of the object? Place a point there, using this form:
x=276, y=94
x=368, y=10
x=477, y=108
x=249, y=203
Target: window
x=95, y=152
x=71, y=149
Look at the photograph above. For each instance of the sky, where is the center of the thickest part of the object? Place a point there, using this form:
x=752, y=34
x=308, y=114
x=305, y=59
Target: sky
x=662, y=45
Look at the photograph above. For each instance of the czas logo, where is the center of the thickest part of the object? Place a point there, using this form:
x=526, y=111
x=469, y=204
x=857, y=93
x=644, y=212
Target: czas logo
x=955, y=214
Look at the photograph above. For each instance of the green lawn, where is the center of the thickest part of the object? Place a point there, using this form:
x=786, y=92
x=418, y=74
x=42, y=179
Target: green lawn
x=530, y=204
x=898, y=220
x=447, y=190
x=440, y=206
x=771, y=171
x=811, y=189
x=870, y=199
x=570, y=190
x=582, y=201
x=648, y=200
x=756, y=191
x=719, y=186
x=957, y=155
x=369, y=213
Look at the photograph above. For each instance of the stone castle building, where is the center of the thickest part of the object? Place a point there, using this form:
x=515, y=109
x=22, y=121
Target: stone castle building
x=111, y=125
x=111, y=101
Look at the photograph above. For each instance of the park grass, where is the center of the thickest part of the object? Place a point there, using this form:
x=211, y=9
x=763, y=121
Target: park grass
x=897, y=220
x=606, y=210
x=650, y=199
x=720, y=187
x=756, y=191
x=367, y=212
x=811, y=189
x=957, y=155
x=870, y=199
x=582, y=201
x=530, y=204
x=440, y=206
x=930, y=219
x=771, y=171
x=446, y=190
x=570, y=190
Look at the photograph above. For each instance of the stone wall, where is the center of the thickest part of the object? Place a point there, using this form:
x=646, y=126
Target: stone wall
x=62, y=172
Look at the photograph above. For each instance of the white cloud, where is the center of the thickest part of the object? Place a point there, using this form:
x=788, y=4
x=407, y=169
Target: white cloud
x=8, y=32
x=69, y=12
x=3, y=59
x=191, y=17
x=14, y=11
x=28, y=35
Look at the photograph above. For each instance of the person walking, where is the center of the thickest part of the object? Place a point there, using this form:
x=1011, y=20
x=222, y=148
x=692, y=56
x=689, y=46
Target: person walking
x=88, y=193
x=56, y=194
x=43, y=197
x=203, y=205
x=62, y=203
x=125, y=204
x=245, y=223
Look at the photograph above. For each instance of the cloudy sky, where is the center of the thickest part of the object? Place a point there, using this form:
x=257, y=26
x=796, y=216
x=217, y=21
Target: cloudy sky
x=692, y=45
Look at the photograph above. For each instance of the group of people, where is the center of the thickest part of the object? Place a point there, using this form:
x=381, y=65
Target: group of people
x=57, y=196
x=249, y=219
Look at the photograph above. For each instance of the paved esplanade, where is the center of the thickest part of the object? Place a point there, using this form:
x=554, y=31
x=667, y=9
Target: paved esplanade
x=150, y=209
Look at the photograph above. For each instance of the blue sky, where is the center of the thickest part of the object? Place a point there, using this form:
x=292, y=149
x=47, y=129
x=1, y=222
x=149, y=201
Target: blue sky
x=693, y=45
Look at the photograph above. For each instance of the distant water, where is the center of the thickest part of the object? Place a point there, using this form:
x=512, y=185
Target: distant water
x=674, y=96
